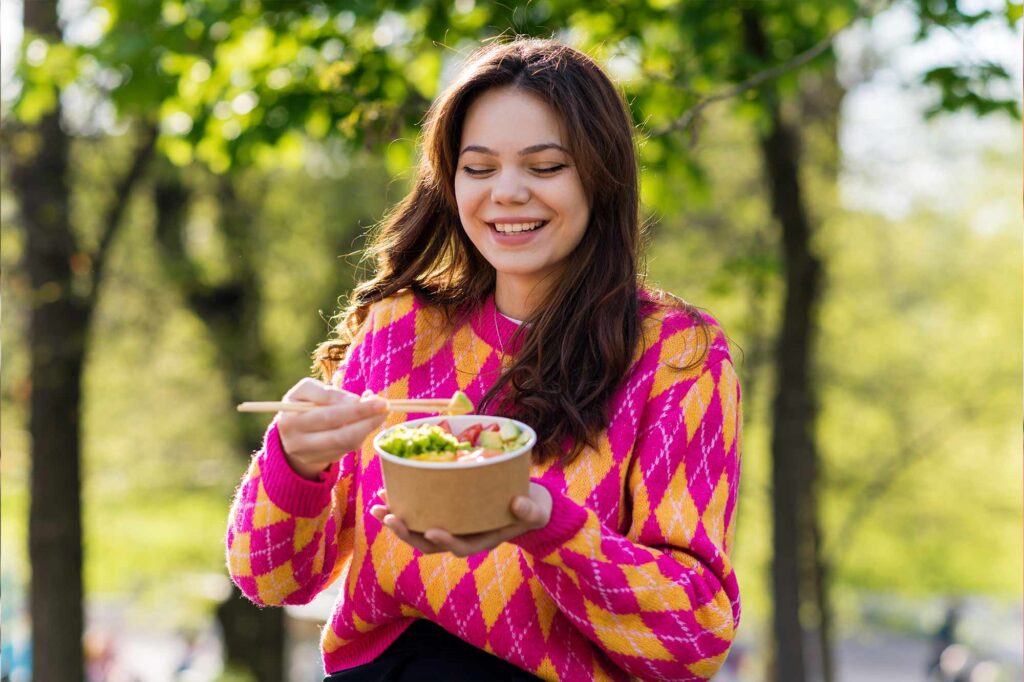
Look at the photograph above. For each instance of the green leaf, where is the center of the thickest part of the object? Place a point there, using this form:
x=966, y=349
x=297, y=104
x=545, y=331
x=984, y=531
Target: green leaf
x=1014, y=11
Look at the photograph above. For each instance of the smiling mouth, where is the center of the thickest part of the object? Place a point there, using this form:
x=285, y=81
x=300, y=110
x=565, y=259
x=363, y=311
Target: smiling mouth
x=514, y=228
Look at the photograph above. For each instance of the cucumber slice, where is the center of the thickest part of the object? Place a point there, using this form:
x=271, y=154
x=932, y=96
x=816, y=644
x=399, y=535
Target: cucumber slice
x=509, y=431
x=491, y=440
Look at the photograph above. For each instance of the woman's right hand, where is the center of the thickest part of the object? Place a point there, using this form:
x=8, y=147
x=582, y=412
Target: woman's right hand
x=315, y=439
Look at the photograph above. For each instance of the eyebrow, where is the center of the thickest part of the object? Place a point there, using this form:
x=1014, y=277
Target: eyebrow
x=533, y=149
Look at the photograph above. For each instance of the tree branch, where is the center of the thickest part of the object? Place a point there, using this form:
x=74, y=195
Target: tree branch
x=689, y=117
x=910, y=450
x=122, y=194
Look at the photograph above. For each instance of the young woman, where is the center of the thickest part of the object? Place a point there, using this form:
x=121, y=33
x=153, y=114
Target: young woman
x=510, y=272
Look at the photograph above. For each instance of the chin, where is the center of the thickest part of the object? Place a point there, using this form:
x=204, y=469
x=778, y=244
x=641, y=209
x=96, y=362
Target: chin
x=516, y=270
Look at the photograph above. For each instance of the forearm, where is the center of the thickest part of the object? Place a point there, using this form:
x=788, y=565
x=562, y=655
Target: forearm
x=659, y=614
x=282, y=537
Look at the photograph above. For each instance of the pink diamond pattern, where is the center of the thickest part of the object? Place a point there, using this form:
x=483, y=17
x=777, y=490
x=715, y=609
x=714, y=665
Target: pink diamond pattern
x=630, y=579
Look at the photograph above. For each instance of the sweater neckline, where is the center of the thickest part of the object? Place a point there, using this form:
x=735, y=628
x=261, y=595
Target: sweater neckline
x=496, y=329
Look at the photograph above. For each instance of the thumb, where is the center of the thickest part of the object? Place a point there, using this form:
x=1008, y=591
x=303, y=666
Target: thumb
x=527, y=511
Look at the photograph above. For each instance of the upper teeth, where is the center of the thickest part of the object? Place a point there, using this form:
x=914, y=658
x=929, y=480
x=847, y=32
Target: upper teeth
x=517, y=227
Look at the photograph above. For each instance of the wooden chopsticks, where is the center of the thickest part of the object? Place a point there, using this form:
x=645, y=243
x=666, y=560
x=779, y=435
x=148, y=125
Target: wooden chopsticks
x=408, y=405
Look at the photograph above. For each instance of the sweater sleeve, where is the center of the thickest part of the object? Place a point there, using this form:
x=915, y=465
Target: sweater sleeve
x=287, y=535
x=661, y=601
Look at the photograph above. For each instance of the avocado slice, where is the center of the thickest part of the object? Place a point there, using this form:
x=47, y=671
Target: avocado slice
x=460, y=404
x=490, y=440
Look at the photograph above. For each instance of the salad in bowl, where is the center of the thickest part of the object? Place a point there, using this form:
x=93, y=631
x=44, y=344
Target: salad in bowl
x=459, y=473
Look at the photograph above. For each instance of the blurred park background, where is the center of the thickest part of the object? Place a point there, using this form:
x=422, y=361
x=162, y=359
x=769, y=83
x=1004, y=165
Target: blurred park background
x=186, y=186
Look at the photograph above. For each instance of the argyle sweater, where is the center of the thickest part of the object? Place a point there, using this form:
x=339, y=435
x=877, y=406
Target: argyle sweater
x=630, y=578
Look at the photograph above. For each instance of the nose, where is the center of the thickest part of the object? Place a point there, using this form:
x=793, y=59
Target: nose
x=509, y=188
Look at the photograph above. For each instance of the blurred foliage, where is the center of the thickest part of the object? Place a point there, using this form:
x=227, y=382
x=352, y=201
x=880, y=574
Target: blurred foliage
x=250, y=83
x=287, y=96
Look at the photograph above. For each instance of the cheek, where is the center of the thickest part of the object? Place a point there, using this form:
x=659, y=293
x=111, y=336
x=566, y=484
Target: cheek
x=460, y=195
x=581, y=219
x=466, y=199
x=568, y=194
x=573, y=203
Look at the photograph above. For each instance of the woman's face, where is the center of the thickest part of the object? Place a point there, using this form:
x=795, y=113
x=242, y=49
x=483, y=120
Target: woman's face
x=521, y=201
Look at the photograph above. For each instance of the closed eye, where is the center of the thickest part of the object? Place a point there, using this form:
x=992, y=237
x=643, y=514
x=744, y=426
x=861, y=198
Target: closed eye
x=479, y=172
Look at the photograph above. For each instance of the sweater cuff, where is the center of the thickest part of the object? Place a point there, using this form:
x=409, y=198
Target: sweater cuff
x=288, y=490
x=567, y=518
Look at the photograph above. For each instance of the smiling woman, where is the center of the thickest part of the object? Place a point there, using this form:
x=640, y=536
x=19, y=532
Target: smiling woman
x=520, y=197
x=510, y=272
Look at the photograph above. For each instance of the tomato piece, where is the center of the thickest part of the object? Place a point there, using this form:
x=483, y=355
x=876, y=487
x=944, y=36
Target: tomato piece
x=470, y=434
x=445, y=425
x=493, y=427
x=487, y=454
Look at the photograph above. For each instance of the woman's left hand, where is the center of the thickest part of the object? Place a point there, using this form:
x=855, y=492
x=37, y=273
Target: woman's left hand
x=533, y=512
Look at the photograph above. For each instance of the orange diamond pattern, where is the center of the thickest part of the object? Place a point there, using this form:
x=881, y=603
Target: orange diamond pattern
x=581, y=600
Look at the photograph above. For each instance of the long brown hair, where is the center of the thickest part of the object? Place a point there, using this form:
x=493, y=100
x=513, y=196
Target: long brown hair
x=580, y=342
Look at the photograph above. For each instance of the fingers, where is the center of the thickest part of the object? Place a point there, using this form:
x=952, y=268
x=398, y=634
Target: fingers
x=460, y=547
x=532, y=511
x=395, y=525
x=346, y=409
x=312, y=391
x=341, y=422
x=467, y=545
x=528, y=511
x=438, y=540
x=337, y=441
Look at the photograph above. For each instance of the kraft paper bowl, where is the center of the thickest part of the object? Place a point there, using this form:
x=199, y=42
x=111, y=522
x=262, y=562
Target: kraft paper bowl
x=459, y=497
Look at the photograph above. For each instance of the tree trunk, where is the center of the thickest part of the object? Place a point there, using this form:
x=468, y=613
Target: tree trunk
x=794, y=455
x=56, y=340
x=822, y=576
x=822, y=102
x=64, y=283
x=254, y=638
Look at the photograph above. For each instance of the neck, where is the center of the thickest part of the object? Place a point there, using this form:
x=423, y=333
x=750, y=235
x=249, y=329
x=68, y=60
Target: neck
x=518, y=297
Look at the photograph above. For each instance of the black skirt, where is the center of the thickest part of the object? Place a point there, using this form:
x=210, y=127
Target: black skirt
x=426, y=652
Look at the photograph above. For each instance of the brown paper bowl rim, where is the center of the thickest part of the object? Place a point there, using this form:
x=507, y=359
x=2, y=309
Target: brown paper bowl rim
x=486, y=420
